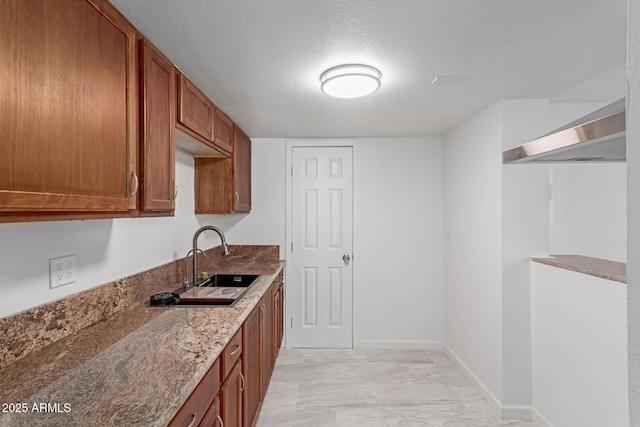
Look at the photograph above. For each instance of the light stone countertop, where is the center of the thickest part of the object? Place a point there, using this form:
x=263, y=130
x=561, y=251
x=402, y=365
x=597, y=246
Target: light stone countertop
x=598, y=267
x=149, y=361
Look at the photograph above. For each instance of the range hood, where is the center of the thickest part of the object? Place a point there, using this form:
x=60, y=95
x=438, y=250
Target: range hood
x=596, y=137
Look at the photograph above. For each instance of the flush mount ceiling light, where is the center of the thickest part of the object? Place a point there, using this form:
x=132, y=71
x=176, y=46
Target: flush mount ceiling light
x=350, y=81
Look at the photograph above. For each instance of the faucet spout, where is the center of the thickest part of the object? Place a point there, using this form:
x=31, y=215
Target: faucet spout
x=225, y=248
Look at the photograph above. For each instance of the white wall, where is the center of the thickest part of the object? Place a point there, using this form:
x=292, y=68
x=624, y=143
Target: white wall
x=589, y=210
x=525, y=227
x=398, y=263
x=487, y=291
x=633, y=198
x=473, y=271
x=107, y=250
x=579, y=349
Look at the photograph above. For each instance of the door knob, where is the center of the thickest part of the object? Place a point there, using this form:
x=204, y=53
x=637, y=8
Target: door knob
x=346, y=258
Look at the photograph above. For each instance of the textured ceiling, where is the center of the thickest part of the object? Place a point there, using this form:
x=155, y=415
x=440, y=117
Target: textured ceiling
x=260, y=61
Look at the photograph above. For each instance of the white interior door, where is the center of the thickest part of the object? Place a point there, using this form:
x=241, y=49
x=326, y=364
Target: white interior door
x=322, y=240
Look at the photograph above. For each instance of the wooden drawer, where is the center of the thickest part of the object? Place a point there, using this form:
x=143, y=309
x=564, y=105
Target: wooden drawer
x=200, y=400
x=231, y=353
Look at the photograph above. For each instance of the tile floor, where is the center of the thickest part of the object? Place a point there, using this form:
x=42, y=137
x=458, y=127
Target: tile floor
x=352, y=388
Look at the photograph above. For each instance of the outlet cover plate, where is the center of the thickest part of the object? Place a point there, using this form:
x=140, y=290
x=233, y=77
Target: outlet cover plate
x=62, y=271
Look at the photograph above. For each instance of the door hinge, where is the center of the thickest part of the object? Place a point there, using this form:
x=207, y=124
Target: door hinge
x=291, y=170
x=291, y=247
x=292, y=323
x=550, y=192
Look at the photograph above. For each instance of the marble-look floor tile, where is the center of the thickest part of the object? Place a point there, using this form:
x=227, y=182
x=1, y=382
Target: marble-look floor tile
x=333, y=355
x=280, y=396
x=289, y=357
x=411, y=394
x=432, y=374
x=369, y=372
x=336, y=395
x=297, y=417
x=364, y=387
x=303, y=373
x=398, y=356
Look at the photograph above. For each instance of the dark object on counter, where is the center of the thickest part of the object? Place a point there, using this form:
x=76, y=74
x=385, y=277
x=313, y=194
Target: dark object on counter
x=165, y=298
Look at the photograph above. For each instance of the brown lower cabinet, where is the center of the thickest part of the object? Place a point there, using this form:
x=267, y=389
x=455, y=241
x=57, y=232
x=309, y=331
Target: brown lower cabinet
x=231, y=395
x=244, y=369
x=194, y=410
x=212, y=418
x=252, y=365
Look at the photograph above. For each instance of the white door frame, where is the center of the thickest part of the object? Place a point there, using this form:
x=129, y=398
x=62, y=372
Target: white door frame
x=322, y=143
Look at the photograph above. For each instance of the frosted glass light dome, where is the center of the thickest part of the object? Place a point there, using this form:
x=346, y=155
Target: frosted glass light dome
x=350, y=81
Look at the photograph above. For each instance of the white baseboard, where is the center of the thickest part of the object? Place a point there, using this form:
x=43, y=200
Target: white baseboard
x=539, y=419
x=518, y=412
x=400, y=345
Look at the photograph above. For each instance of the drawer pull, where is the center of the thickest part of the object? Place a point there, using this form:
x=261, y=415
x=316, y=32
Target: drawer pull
x=193, y=421
x=234, y=352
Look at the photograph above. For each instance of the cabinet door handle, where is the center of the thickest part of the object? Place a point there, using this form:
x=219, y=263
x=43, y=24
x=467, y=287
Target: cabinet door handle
x=242, y=378
x=193, y=421
x=237, y=197
x=220, y=420
x=175, y=193
x=234, y=352
x=134, y=178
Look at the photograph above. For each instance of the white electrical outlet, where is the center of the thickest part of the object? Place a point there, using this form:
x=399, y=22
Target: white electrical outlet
x=62, y=271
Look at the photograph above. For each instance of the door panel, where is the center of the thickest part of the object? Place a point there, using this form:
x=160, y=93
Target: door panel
x=322, y=236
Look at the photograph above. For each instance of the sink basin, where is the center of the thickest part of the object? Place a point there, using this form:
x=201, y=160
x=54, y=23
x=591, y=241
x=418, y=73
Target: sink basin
x=219, y=289
x=229, y=280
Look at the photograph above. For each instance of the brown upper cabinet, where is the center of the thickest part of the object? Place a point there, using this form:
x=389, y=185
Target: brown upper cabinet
x=157, y=130
x=195, y=111
x=223, y=185
x=198, y=117
x=242, y=171
x=223, y=131
x=68, y=109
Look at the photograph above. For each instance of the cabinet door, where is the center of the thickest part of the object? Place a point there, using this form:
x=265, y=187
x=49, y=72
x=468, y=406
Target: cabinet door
x=268, y=357
x=157, y=130
x=231, y=397
x=251, y=366
x=195, y=111
x=198, y=405
x=213, y=416
x=278, y=316
x=68, y=107
x=242, y=171
x=223, y=131
x=223, y=185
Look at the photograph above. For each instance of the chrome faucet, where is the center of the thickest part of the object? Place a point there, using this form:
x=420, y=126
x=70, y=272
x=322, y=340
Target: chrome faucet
x=225, y=249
